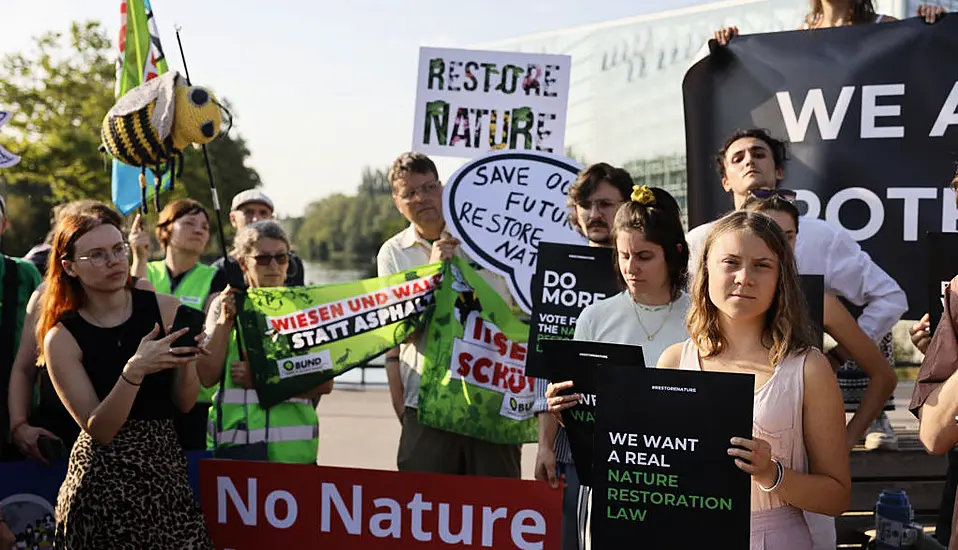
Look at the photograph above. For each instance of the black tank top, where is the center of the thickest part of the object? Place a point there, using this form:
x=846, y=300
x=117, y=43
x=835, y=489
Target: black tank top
x=106, y=351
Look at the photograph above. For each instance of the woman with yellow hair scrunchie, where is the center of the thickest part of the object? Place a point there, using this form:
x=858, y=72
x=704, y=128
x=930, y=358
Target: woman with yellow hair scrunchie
x=651, y=261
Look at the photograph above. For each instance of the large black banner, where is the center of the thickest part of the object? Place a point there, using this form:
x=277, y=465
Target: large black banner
x=871, y=115
x=579, y=361
x=568, y=278
x=662, y=475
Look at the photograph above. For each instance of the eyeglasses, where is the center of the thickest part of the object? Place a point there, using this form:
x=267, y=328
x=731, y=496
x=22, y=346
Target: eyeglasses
x=423, y=190
x=263, y=260
x=601, y=204
x=100, y=257
x=786, y=195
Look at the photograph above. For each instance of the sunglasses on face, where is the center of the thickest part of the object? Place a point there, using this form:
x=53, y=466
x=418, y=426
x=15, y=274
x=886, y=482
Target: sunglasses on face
x=263, y=260
x=786, y=195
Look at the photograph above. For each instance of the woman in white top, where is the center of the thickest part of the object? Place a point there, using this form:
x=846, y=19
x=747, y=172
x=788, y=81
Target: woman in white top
x=748, y=315
x=651, y=259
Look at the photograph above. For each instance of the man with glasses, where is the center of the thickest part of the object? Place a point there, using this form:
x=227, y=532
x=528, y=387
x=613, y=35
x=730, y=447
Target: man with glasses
x=594, y=197
x=417, y=193
x=18, y=280
x=752, y=163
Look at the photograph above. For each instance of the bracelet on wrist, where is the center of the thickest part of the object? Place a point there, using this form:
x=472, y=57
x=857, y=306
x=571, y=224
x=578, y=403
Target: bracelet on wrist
x=780, y=475
x=128, y=381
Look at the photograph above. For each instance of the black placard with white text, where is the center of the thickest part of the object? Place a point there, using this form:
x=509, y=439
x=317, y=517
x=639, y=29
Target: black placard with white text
x=578, y=361
x=813, y=287
x=942, y=268
x=568, y=278
x=662, y=475
x=870, y=113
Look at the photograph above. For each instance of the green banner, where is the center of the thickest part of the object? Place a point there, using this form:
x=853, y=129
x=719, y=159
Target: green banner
x=473, y=381
x=298, y=338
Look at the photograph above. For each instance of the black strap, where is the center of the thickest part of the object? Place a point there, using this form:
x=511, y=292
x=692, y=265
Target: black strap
x=8, y=324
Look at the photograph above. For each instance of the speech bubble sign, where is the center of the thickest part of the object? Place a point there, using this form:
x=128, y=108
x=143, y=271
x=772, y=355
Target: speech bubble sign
x=502, y=205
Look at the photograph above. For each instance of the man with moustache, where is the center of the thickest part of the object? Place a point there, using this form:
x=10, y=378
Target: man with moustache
x=417, y=193
x=752, y=160
x=594, y=197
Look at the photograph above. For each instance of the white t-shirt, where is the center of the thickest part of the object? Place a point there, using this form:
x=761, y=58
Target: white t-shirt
x=615, y=320
x=824, y=249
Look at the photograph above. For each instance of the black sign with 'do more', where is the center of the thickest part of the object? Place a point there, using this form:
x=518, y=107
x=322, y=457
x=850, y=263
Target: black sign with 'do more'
x=568, y=278
x=662, y=476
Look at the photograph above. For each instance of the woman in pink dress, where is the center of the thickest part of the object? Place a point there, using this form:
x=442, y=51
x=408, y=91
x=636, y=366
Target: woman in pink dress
x=748, y=315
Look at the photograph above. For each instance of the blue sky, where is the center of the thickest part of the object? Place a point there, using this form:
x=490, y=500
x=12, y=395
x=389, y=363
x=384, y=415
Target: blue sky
x=319, y=89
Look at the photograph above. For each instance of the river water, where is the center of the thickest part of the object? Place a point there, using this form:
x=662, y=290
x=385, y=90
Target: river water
x=324, y=274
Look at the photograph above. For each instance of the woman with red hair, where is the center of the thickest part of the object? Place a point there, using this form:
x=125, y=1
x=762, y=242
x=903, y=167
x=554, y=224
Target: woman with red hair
x=113, y=366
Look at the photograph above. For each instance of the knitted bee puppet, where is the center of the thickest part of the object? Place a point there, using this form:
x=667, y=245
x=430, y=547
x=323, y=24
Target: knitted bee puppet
x=151, y=125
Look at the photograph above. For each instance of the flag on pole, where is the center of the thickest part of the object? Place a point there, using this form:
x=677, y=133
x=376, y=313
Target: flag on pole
x=140, y=59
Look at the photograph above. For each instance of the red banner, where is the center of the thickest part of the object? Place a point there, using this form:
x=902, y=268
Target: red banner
x=267, y=505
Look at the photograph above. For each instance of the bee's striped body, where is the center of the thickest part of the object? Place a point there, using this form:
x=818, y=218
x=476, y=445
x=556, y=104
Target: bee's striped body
x=133, y=140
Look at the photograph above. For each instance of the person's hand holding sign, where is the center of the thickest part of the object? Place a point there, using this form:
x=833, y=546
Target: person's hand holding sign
x=723, y=36
x=754, y=457
x=559, y=403
x=921, y=333
x=444, y=248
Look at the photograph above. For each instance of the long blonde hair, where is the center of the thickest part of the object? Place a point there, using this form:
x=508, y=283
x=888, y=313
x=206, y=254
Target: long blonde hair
x=787, y=322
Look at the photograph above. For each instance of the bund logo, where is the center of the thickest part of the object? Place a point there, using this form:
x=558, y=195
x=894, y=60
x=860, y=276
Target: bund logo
x=305, y=364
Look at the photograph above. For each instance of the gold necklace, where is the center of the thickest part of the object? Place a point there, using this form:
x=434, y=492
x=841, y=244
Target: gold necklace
x=102, y=325
x=635, y=308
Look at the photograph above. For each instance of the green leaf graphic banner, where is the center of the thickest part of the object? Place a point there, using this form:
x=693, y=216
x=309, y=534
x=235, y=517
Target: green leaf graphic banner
x=298, y=338
x=473, y=381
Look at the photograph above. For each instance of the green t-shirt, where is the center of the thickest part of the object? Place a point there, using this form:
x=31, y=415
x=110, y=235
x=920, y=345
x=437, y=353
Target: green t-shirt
x=29, y=281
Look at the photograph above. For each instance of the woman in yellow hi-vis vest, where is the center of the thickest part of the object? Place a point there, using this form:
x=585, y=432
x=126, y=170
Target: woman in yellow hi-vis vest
x=239, y=427
x=183, y=231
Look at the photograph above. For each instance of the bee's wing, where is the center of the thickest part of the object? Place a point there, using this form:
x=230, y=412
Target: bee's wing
x=160, y=89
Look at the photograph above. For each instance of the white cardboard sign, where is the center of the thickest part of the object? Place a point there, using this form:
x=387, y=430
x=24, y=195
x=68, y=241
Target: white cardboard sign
x=502, y=205
x=470, y=102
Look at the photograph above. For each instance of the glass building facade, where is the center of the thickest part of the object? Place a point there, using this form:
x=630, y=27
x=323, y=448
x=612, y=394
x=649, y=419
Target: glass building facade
x=625, y=98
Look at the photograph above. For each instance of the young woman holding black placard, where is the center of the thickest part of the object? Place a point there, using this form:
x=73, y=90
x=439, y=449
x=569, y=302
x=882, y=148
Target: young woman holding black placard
x=748, y=315
x=779, y=204
x=651, y=260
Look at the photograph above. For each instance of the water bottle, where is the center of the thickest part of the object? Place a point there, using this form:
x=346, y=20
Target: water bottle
x=894, y=521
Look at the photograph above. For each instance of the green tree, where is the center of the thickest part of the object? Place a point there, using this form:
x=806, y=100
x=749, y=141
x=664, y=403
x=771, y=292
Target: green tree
x=58, y=93
x=347, y=230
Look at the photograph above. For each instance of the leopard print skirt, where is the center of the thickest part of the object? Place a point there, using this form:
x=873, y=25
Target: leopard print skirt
x=132, y=493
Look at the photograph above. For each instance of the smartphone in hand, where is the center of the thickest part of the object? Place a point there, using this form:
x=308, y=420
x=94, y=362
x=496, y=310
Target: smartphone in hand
x=52, y=448
x=191, y=318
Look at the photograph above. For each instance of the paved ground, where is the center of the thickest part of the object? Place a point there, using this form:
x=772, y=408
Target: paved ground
x=358, y=428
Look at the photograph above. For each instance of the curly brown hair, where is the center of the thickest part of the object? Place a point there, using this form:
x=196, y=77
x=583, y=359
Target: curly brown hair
x=411, y=162
x=586, y=182
x=787, y=323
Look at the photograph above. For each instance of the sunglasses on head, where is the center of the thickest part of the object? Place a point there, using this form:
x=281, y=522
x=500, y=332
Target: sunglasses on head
x=263, y=260
x=786, y=195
